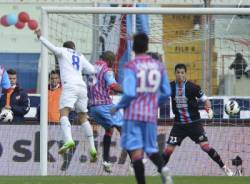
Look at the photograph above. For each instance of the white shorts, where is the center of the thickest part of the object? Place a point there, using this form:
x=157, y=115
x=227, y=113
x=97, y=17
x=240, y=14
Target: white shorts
x=74, y=97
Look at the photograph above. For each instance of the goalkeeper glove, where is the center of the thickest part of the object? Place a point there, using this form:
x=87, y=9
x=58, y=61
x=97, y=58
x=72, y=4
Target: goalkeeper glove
x=210, y=113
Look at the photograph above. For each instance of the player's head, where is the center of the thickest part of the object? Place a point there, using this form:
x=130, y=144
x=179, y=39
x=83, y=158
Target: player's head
x=12, y=77
x=108, y=57
x=140, y=44
x=54, y=79
x=180, y=72
x=69, y=45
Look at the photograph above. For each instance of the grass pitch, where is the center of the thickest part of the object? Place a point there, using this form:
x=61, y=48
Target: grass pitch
x=119, y=180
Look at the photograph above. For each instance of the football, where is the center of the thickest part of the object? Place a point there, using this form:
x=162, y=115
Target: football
x=232, y=107
x=6, y=115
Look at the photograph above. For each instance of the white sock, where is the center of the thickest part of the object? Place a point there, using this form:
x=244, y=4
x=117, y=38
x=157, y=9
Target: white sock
x=66, y=128
x=88, y=132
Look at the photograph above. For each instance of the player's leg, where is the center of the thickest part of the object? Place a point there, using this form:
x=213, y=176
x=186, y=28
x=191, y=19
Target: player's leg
x=106, y=120
x=214, y=155
x=106, y=143
x=107, y=166
x=177, y=134
x=150, y=147
x=66, y=129
x=132, y=141
x=101, y=115
x=167, y=153
x=88, y=132
x=81, y=108
x=198, y=135
x=67, y=100
x=137, y=157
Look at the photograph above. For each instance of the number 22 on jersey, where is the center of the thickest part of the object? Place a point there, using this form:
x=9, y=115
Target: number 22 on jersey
x=149, y=81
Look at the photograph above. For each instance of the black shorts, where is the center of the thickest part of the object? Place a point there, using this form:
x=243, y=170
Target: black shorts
x=179, y=132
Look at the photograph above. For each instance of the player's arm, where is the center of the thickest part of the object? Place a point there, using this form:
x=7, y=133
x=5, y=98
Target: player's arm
x=110, y=80
x=129, y=89
x=207, y=104
x=5, y=83
x=88, y=68
x=165, y=89
x=56, y=50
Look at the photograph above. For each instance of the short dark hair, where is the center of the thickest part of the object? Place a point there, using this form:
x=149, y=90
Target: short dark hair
x=108, y=56
x=140, y=44
x=180, y=66
x=11, y=71
x=69, y=44
x=54, y=72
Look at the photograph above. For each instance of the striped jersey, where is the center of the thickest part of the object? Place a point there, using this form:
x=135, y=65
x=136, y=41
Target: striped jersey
x=184, y=102
x=145, y=85
x=99, y=83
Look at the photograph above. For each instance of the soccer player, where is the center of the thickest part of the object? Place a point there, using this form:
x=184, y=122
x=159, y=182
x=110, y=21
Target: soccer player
x=74, y=91
x=145, y=85
x=100, y=103
x=187, y=117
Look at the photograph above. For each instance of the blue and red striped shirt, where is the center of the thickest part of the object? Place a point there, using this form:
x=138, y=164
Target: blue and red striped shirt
x=99, y=84
x=184, y=101
x=145, y=86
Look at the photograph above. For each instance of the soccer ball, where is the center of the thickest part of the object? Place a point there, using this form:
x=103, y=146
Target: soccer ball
x=6, y=115
x=232, y=107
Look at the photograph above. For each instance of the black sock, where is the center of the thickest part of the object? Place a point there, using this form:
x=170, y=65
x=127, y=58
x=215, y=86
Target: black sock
x=215, y=156
x=157, y=159
x=106, y=147
x=166, y=156
x=139, y=171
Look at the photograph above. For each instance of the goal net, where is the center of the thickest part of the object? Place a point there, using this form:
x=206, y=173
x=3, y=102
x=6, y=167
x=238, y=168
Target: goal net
x=206, y=44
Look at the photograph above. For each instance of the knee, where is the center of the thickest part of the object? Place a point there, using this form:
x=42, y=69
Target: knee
x=109, y=132
x=205, y=147
x=82, y=117
x=136, y=155
x=169, y=150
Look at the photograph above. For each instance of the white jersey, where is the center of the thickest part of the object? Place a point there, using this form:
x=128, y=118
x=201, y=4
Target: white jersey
x=72, y=64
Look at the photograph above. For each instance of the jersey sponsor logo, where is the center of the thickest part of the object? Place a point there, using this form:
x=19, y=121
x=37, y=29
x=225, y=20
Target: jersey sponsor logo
x=181, y=102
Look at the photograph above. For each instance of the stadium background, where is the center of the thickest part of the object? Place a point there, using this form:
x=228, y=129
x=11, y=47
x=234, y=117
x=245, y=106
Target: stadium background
x=229, y=135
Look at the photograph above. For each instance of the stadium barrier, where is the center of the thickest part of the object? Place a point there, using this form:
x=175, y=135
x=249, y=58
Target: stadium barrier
x=165, y=111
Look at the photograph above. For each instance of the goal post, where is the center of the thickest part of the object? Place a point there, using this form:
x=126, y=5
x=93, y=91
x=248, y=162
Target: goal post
x=46, y=11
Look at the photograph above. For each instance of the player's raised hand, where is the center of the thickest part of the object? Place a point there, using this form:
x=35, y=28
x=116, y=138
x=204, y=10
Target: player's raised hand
x=38, y=33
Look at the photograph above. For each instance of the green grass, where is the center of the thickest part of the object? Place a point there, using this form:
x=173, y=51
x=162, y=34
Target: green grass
x=118, y=180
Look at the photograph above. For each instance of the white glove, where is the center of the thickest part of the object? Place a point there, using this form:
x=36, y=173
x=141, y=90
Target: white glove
x=210, y=113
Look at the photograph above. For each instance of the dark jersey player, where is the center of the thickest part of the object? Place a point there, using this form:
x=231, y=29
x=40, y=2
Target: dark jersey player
x=185, y=96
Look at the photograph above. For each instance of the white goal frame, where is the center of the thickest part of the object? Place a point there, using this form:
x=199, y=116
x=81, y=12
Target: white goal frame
x=102, y=10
